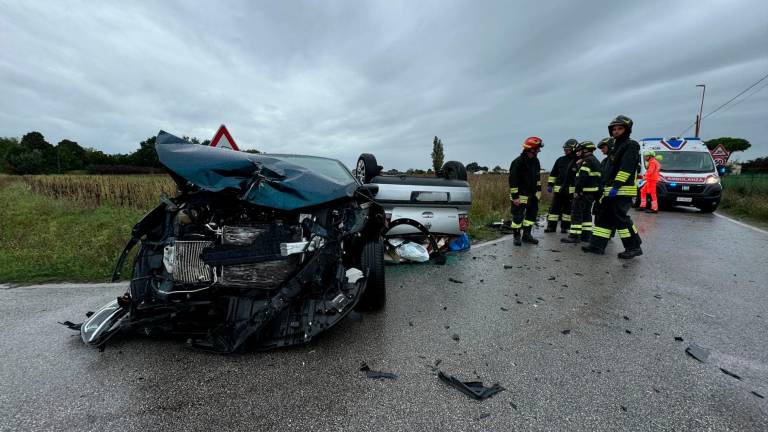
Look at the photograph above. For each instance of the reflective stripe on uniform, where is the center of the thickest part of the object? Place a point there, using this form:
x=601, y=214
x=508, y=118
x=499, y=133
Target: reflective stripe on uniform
x=595, y=173
x=527, y=223
x=634, y=228
x=523, y=199
x=551, y=179
x=516, y=225
x=571, y=189
x=566, y=218
x=601, y=232
x=538, y=195
x=590, y=189
x=624, y=233
x=585, y=168
x=553, y=217
x=628, y=191
x=586, y=226
x=557, y=188
x=575, y=229
x=622, y=176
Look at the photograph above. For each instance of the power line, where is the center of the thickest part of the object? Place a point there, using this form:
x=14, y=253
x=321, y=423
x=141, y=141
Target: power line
x=748, y=96
x=723, y=105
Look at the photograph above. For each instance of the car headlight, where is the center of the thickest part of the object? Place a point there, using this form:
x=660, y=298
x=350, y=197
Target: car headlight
x=712, y=180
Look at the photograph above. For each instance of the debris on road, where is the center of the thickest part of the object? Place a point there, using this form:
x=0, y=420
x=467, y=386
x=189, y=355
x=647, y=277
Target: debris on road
x=455, y=337
x=628, y=331
x=455, y=281
x=678, y=339
x=507, y=266
x=658, y=296
x=697, y=352
x=757, y=394
x=375, y=374
x=565, y=332
x=513, y=405
x=623, y=408
x=70, y=325
x=474, y=389
x=626, y=318
x=504, y=309
x=729, y=373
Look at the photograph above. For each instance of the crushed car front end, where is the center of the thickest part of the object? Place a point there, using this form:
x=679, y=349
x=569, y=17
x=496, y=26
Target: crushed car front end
x=255, y=252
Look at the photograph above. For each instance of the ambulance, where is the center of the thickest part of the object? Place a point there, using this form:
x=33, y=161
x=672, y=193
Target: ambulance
x=689, y=176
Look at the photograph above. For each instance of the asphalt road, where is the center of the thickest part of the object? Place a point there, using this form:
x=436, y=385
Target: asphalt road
x=703, y=278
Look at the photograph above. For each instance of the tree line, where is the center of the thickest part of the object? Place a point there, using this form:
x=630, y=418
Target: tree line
x=32, y=154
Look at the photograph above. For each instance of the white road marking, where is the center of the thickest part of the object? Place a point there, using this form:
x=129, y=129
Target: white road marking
x=491, y=242
x=741, y=223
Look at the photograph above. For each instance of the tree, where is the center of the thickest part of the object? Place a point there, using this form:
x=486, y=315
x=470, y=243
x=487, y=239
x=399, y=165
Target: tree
x=473, y=167
x=755, y=166
x=730, y=144
x=497, y=169
x=6, y=145
x=146, y=155
x=33, y=155
x=69, y=156
x=438, y=156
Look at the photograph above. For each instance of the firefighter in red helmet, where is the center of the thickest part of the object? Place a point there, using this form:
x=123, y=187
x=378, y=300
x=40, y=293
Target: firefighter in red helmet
x=525, y=190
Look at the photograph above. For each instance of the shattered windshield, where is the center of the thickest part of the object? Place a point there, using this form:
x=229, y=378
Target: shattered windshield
x=685, y=161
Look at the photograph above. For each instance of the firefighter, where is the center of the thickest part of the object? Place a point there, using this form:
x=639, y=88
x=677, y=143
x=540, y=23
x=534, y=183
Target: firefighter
x=620, y=189
x=586, y=187
x=525, y=190
x=560, y=208
x=651, y=180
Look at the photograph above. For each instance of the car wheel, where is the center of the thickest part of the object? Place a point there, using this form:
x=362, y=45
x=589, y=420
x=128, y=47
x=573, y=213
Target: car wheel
x=372, y=262
x=709, y=208
x=453, y=170
x=367, y=168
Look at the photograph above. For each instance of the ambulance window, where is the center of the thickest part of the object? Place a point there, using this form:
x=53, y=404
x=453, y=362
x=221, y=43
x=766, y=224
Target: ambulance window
x=686, y=161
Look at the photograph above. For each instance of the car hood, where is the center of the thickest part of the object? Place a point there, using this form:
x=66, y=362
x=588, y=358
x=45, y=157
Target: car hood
x=260, y=179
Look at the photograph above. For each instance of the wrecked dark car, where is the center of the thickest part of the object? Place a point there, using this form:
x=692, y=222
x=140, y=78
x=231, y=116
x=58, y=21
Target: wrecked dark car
x=255, y=252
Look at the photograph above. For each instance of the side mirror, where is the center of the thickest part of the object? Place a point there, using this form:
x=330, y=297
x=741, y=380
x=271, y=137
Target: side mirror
x=369, y=190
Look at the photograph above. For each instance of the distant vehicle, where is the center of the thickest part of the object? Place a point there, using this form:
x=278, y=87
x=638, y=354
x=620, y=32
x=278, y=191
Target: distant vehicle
x=440, y=203
x=689, y=176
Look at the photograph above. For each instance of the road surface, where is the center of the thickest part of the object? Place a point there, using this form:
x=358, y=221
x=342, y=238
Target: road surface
x=619, y=367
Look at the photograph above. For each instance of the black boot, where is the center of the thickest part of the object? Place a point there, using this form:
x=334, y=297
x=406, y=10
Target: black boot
x=564, y=227
x=516, y=233
x=551, y=227
x=631, y=253
x=572, y=238
x=590, y=248
x=527, y=237
x=586, y=236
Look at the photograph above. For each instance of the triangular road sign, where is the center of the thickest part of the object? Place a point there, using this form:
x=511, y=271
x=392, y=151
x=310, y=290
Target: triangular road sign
x=223, y=139
x=720, y=151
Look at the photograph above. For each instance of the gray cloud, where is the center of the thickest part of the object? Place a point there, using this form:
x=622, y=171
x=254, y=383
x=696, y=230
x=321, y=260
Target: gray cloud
x=341, y=78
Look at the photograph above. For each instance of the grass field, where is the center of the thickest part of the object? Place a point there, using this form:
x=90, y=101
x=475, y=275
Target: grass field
x=72, y=227
x=43, y=239
x=746, y=196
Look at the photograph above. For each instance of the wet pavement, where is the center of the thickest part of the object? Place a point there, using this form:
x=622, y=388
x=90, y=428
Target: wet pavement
x=580, y=342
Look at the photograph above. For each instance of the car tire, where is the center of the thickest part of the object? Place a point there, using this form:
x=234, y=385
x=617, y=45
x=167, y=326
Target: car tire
x=453, y=170
x=367, y=168
x=710, y=208
x=372, y=262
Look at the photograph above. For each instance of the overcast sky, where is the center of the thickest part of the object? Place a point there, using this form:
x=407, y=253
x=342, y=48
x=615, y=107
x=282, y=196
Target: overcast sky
x=341, y=78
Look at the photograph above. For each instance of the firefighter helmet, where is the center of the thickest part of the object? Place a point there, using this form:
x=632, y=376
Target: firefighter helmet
x=586, y=145
x=621, y=120
x=570, y=144
x=532, y=143
x=605, y=142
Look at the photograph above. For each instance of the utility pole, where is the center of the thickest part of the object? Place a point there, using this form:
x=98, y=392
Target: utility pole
x=701, y=108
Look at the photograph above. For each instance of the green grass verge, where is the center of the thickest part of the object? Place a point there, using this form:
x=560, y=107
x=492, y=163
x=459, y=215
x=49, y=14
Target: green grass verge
x=746, y=196
x=46, y=240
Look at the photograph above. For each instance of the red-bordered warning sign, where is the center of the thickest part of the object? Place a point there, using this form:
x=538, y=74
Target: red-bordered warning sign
x=720, y=155
x=223, y=139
